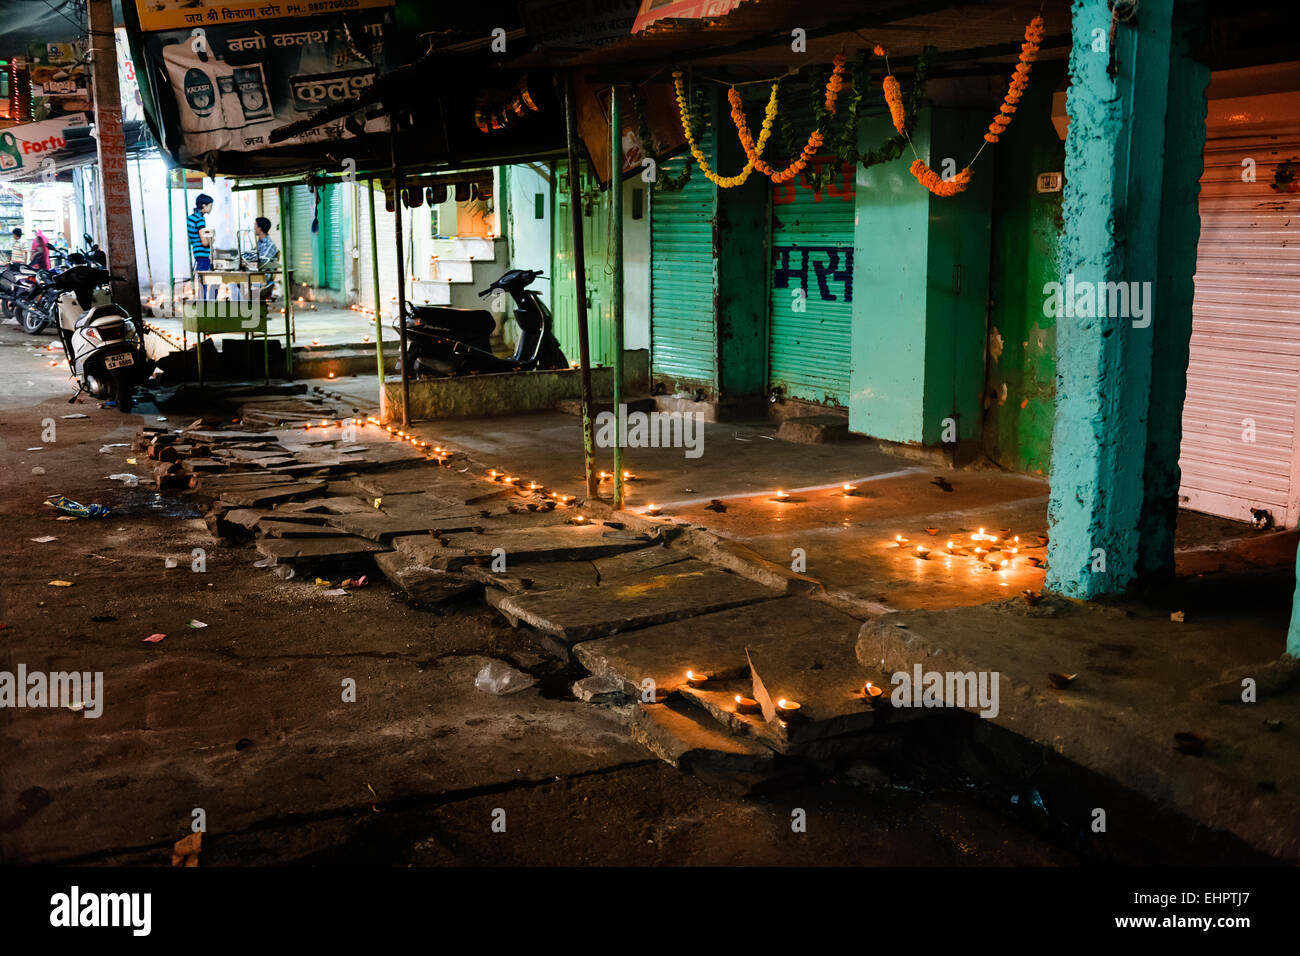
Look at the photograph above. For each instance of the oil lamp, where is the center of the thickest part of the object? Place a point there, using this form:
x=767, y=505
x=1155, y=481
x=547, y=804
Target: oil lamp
x=787, y=709
x=652, y=510
x=782, y=496
x=873, y=694
x=746, y=705
x=696, y=680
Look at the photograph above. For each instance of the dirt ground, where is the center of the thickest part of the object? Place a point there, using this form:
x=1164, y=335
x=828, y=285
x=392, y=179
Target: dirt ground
x=244, y=719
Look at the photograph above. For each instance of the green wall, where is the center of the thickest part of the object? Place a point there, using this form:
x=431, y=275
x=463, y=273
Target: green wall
x=920, y=280
x=1020, y=389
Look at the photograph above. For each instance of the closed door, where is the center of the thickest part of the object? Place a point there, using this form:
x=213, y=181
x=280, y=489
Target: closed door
x=597, y=271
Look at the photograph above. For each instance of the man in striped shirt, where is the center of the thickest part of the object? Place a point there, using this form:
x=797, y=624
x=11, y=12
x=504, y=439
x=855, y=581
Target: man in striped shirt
x=199, y=236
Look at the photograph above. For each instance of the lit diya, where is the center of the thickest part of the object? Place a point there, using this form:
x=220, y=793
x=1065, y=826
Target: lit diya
x=653, y=510
x=922, y=553
x=781, y=496
x=746, y=705
x=848, y=491
x=788, y=709
x=696, y=680
x=873, y=694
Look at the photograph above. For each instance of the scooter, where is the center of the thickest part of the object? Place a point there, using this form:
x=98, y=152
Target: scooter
x=103, y=344
x=443, y=341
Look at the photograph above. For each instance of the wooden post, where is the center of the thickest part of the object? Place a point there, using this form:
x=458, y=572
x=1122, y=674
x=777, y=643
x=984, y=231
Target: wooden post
x=580, y=286
x=616, y=234
x=115, y=188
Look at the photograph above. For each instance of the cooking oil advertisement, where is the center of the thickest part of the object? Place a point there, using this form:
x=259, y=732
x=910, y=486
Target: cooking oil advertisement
x=237, y=71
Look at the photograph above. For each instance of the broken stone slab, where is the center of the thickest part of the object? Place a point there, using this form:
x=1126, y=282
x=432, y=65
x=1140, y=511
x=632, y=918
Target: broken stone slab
x=634, y=562
x=561, y=542
x=804, y=651
x=687, y=739
x=600, y=690
x=428, y=478
x=293, y=529
x=329, y=506
x=256, y=497
x=426, y=550
x=248, y=517
x=682, y=590
x=289, y=550
x=421, y=584
x=386, y=524
x=535, y=576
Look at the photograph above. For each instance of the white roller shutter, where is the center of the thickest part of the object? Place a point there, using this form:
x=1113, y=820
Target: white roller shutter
x=1245, y=349
x=385, y=229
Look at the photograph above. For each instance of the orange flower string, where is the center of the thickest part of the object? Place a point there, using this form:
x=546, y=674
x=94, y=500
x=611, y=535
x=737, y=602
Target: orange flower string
x=1019, y=81
x=932, y=181
x=894, y=97
x=815, y=139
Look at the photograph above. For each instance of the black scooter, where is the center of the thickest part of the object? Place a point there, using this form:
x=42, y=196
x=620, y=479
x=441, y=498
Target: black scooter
x=442, y=341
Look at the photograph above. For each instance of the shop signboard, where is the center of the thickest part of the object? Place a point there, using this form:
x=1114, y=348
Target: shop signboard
x=236, y=71
x=33, y=150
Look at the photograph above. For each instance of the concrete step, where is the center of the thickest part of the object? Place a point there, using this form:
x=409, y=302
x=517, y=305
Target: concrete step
x=450, y=270
x=814, y=429
x=640, y=403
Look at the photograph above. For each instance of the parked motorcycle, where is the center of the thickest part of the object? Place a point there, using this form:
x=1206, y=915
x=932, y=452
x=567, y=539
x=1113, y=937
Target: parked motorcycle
x=103, y=344
x=19, y=285
x=443, y=341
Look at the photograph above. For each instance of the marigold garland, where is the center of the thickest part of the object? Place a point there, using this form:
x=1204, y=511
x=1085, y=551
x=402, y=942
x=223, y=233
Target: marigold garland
x=723, y=182
x=816, y=139
x=932, y=181
x=894, y=97
x=1019, y=81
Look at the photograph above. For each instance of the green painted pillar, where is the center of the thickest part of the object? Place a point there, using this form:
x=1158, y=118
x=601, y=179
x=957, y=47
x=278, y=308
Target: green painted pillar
x=742, y=238
x=1133, y=158
x=920, y=287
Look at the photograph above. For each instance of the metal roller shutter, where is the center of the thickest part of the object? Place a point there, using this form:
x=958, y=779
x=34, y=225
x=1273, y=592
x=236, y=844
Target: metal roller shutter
x=812, y=250
x=1245, y=348
x=683, y=279
x=385, y=231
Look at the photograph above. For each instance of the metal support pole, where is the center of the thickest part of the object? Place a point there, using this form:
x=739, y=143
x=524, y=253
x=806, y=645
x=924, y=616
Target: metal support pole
x=286, y=254
x=374, y=264
x=580, y=286
x=171, y=246
x=616, y=233
x=401, y=273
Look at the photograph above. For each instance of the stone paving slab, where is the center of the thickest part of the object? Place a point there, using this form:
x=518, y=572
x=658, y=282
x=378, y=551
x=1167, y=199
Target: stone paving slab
x=384, y=525
x=634, y=562
x=249, y=517
x=288, y=550
x=535, y=576
x=681, y=590
x=560, y=542
x=804, y=650
x=293, y=529
x=255, y=497
x=685, y=738
x=424, y=585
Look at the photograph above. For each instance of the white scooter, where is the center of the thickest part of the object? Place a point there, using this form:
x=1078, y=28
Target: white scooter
x=101, y=341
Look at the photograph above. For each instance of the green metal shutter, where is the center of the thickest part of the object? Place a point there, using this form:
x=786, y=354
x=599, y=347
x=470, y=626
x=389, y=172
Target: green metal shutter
x=812, y=250
x=302, y=211
x=683, y=279
x=331, y=237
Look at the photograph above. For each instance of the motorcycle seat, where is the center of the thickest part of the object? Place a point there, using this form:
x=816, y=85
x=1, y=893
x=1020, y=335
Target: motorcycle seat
x=101, y=312
x=468, y=323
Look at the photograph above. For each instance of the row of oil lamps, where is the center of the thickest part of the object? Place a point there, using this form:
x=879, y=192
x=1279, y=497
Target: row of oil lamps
x=992, y=554
x=780, y=496
x=786, y=709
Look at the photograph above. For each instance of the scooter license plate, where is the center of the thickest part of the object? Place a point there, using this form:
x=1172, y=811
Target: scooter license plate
x=117, y=361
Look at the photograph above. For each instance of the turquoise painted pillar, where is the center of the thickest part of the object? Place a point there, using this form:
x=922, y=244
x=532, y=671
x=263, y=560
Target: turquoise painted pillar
x=1123, y=307
x=920, y=288
x=1293, y=635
